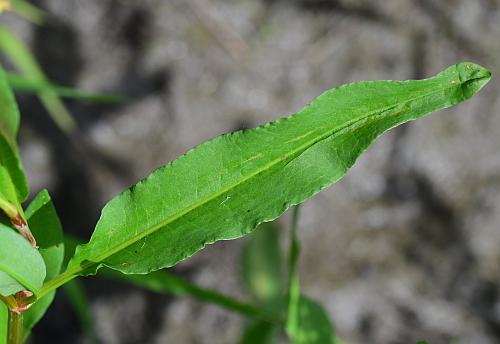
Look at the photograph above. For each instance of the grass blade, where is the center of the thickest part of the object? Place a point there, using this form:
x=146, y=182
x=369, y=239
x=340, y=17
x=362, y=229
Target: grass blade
x=23, y=59
x=164, y=282
x=20, y=83
x=29, y=11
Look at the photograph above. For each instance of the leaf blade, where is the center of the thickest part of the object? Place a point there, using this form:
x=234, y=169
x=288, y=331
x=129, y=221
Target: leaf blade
x=314, y=326
x=24, y=263
x=23, y=59
x=46, y=227
x=9, y=152
x=23, y=84
x=262, y=267
x=224, y=188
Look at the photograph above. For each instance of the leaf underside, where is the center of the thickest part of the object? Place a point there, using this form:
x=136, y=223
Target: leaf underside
x=225, y=187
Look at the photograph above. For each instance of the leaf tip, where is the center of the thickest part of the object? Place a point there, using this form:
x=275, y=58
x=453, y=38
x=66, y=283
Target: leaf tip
x=472, y=77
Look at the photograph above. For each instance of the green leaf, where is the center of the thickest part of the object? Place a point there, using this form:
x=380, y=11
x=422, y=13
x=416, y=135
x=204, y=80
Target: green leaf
x=4, y=322
x=262, y=267
x=9, y=202
x=262, y=274
x=46, y=227
x=21, y=262
x=20, y=83
x=313, y=326
x=29, y=12
x=225, y=187
x=23, y=59
x=259, y=332
x=8, y=285
x=9, y=153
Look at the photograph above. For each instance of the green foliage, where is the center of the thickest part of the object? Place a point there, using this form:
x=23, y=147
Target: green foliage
x=259, y=332
x=225, y=187
x=19, y=83
x=262, y=267
x=313, y=325
x=263, y=278
x=220, y=190
x=13, y=185
x=23, y=59
x=29, y=12
x=21, y=265
x=46, y=227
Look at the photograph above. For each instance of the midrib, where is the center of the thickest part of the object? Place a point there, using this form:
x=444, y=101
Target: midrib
x=152, y=229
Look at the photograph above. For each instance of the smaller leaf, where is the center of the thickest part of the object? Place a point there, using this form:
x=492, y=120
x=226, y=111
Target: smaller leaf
x=314, y=326
x=46, y=227
x=29, y=11
x=262, y=274
x=9, y=202
x=259, y=332
x=9, y=152
x=20, y=261
x=9, y=285
x=23, y=59
x=20, y=83
x=262, y=270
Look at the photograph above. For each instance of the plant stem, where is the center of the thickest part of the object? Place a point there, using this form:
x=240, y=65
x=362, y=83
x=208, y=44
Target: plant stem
x=294, y=243
x=292, y=322
x=61, y=279
x=15, y=329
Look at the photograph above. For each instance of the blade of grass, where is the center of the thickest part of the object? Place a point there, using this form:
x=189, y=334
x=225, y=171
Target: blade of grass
x=20, y=83
x=23, y=59
x=29, y=11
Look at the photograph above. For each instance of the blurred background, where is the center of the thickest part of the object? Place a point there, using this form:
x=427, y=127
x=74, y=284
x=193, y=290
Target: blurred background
x=406, y=247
